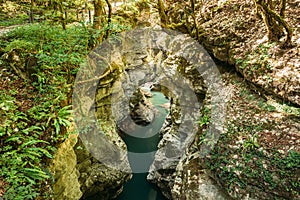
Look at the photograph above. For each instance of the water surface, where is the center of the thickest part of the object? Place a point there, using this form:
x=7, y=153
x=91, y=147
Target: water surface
x=138, y=188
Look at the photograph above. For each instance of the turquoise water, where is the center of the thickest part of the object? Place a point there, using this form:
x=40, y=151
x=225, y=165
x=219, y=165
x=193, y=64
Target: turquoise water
x=138, y=188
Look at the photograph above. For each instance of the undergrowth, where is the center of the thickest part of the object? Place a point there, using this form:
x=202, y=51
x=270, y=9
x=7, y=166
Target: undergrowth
x=256, y=155
x=36, y=112
x=251, y=166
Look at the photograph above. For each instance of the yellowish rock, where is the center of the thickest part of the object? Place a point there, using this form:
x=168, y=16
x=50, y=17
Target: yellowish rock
x=63, y=168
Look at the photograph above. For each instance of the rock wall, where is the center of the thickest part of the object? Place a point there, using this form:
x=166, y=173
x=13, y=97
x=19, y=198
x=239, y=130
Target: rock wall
x=142, y=111
x=125, y=64
x=182, y=178
x=234, y=33
x=96, y=179
x=91, y=152
x=193, y=182
x=65, y=173
x=78, y=175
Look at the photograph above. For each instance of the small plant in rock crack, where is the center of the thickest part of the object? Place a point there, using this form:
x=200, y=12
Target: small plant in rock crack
x=207, y=139
x=243, y=63
x=204, y=121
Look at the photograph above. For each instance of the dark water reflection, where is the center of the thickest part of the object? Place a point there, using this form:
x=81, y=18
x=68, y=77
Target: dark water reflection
x=138, y=188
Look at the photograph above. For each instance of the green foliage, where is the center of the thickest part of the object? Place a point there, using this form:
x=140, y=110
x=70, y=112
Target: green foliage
x=242, y=63
x=204, y=121
x=251, y=143
x=257, y=61
x=15, y=20
x=19, y=44
x=29, y=136
x=265, y=106
x=238, y=165
x=23, y=151
x=52, y=46
x=61, y=118
x=205, y=138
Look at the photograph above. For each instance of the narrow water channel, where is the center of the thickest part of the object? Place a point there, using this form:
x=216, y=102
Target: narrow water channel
x=138, y=188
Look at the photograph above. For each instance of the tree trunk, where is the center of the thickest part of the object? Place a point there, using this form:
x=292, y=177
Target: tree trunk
x=270, y=4
x=66, y=15
x=31, y=17
x=162, y=13
x=90, y=16
x=62, y=18
x=274, y=23
x=77, y=14
x=98, y=14
x=85, y=12
x=125, y=4
x=282, y=8
x=108, y=19
x=82, y=16
x=194, y=19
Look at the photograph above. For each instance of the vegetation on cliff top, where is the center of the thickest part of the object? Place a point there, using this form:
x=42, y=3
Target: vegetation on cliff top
x=38, y=68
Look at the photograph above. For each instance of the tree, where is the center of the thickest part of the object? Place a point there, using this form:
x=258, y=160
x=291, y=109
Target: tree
x=98, y=12
x=62, y=15
x=194, y=18
x=31, y=18
x=275, y=23
x=108, y=18
x=162, y=13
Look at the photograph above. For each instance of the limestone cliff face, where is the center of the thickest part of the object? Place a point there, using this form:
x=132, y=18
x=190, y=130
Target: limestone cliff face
x=126, y=64
x=119, y=67
x=81, y=166
x=96, y=179
x=181, y=178
x=78, y=175
x=234, y=34
x=64, y=171
x=142, y=111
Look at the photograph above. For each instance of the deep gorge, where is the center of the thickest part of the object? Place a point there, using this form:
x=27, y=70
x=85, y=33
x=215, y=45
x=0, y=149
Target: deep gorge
x=78, y=121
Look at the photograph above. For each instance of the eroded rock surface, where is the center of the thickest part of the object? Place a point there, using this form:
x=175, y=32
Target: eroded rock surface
x=142, y=111
x=78, y=175
x=234, y=33
x=65, y=172
x=96, y=179
x=132, y=63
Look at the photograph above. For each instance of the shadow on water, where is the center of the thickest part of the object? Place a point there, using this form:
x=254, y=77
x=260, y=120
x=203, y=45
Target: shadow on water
x=138, y=188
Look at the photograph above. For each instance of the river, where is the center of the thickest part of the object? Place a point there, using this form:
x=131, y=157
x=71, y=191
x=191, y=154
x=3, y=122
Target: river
x=138, y=188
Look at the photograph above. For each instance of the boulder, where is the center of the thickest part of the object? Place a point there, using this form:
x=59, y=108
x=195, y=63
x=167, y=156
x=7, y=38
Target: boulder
x=142, y=111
